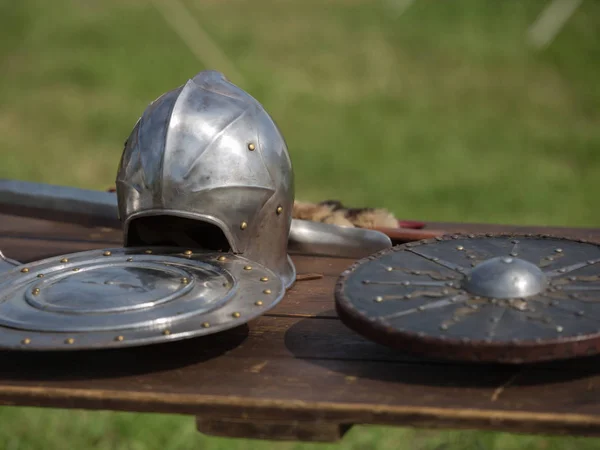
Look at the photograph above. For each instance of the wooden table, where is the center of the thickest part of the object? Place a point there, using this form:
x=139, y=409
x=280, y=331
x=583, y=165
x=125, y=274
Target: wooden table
x=297, y=372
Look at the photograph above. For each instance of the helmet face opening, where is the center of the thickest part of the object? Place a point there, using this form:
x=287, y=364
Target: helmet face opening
x=176, y=231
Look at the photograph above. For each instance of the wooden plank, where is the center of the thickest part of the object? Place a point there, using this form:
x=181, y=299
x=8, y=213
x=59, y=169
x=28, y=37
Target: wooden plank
x=281, y=430
x=45, y=229
x=297, y=373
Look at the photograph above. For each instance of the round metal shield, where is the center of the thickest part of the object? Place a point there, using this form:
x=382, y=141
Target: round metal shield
x=496, y=298
x=129, y=296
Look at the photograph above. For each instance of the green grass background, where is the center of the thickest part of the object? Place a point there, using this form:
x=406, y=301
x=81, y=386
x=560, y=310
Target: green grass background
x=441, y=113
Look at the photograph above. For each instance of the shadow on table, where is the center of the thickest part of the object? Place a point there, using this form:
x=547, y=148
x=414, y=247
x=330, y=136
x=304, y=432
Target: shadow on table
x=328, y=343
x=113, y=363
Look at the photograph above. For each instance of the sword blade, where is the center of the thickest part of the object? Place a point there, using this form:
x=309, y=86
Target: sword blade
x=59, y=203
x=96, y=208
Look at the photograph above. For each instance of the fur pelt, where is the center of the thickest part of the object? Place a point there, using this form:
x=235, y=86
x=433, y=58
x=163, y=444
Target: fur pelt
x=333, y=212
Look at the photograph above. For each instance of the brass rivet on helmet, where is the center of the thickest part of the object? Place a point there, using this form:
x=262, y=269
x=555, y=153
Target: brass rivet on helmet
x=236, y=315
x=107, y=253
x=279, y=210
x=251, y=147
x=243, y=225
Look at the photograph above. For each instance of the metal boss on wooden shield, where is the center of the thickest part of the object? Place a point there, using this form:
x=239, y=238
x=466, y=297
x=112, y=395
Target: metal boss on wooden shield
x=501, y=298
x=132, y=296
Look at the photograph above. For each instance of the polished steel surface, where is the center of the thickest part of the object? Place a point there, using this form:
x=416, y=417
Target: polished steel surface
x=505, y=277
x=6, y=263
x=94, y=208
x=311, y=238
x=208, y=151
x=130, y=297
x=502, y=298
x=59, y=203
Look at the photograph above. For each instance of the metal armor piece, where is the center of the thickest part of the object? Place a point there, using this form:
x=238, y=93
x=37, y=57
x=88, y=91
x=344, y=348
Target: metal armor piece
x=208, y=153
x=130, y=297
x=495, y=297
x=6, y=263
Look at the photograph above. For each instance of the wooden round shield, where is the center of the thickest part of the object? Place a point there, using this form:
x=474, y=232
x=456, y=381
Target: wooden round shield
x=494, y=297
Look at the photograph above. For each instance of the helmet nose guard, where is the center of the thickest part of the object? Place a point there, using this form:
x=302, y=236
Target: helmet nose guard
x=209, y=153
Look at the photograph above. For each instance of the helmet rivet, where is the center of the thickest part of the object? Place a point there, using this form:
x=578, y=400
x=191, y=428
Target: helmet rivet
x=251, y=147
x=221, y=258
x=148, y=252
x=184, y=280
x=24, y=270
x=258, y=303
x=247, y=267
x=64, y=260
x=243, y=225
x=119, y=338
x=264, y=279
x=70, y=341
x=206, y=325
x=267, y=291
x=236, y=314
x=279, y=210
x=187, y=252
x=107, y=253
x=26, y=341
x=166, y=332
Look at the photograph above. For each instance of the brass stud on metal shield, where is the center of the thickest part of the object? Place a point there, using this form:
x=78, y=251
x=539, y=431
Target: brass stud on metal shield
x=148, y=252
x=119, y=338
x=279, y=210
x=64, y=260
x=236, y=315
x=26, y=341
x=251, y=147
x=258, y=303
x=247, y=267
x=36, y=291
x=107, y=253
x=221, y=258
x=263, y=279
x=243, y=225
x=267, y=291
x=69, y=341
x=166, y=332
x=206, y=325
x=24, y=270
x=187, y=252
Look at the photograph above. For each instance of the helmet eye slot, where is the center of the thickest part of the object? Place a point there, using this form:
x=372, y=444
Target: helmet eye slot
x=172, y=231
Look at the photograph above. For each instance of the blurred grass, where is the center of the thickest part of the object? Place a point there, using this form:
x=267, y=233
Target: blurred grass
x=442, y=113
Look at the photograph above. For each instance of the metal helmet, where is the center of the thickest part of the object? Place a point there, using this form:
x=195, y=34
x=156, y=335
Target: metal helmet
x=207, y=166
